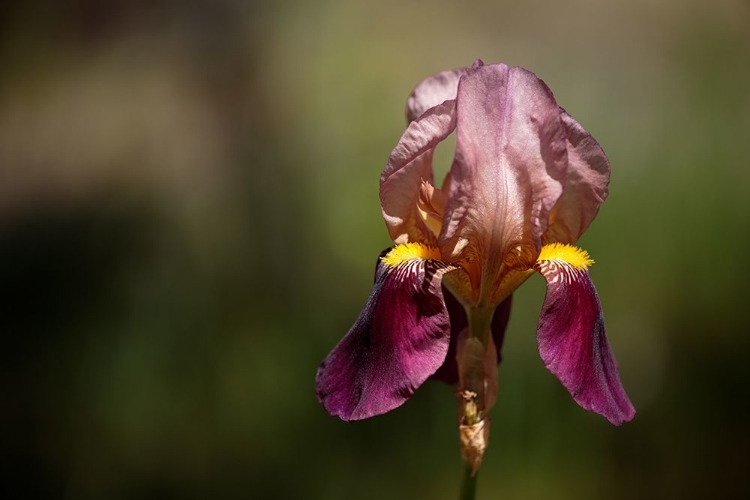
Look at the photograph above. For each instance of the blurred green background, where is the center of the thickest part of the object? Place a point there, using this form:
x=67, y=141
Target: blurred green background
x=189, y=221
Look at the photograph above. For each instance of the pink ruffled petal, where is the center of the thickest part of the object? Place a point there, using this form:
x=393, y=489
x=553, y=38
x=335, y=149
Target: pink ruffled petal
x=573, y=344
x=409, y=165
x=400, y=338
x=585, y=185
x=508, y=171
x=434, y=90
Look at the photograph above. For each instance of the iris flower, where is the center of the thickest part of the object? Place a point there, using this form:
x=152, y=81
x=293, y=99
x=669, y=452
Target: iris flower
x=525, y=183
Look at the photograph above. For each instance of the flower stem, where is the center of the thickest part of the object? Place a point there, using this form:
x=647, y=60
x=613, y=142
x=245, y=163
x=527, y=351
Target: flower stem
x=468, y=484
x=472, y=365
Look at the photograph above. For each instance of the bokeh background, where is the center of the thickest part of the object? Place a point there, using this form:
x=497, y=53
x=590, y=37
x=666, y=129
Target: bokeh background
x=189, y=222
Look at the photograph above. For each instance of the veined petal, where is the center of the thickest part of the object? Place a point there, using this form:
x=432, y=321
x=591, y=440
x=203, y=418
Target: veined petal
x=434, y=90
x=571, y=337
x=409, y=165
x=448, y=373
x=400, y=338
x=585, y=185
x=507, y=174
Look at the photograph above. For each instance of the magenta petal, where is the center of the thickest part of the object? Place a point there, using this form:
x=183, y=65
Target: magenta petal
x=573, y=344
x=448, y=373
x=585, y=185
x=400, y=339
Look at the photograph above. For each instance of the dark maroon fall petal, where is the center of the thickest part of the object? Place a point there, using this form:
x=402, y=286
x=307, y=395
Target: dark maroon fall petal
x=400, y=338
x=573, y=344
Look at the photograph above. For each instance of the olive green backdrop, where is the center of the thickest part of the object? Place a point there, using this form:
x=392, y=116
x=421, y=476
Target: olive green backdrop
x=189, y=222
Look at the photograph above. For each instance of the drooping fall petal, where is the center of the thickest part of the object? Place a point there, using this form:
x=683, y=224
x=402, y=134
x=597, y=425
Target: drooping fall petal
x=400, y=338
x=409, y=165
x=448, y=373
x=571, y=337
x=508, y=170
x=585, y=185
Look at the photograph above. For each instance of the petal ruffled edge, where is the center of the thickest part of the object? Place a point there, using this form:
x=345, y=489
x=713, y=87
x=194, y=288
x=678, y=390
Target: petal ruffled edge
x=409, y=165
x=434, y=90
x=399, y=340
x=586, y=185
x=571, y=336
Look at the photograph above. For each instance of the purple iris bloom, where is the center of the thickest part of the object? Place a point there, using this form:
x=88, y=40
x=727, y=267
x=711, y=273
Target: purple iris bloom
x=525, y=183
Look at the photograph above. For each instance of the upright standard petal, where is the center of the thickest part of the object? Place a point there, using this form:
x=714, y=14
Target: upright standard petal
x=585, y=185
x=571, y=336
x=507, y=174
x=409, y=165
x=434, y=90
x=399, y=340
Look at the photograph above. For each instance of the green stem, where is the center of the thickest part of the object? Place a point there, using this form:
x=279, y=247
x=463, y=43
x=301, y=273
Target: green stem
x=471, y=367
x=479, y=323
x=468, y=484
